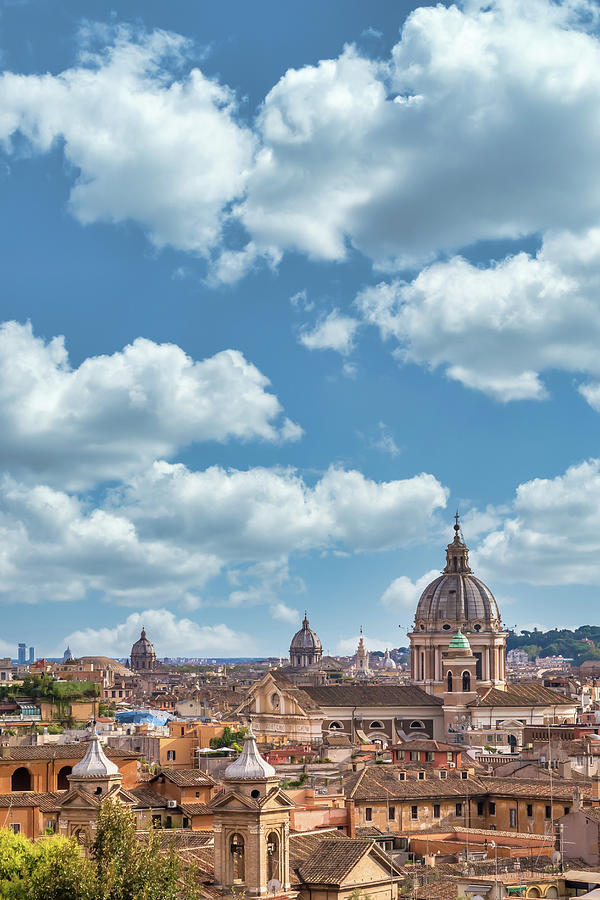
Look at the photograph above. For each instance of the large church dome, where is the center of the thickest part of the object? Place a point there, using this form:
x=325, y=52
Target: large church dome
x=305, y=639
x=143, y=654
x=457, y=598
x=306, y=651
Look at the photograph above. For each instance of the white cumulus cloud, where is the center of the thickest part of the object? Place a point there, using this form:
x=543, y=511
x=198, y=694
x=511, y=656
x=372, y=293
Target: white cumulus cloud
x=498, y=329
x=403, y=594
x=552, y=533
x=150, y=143
x=171, y=636
x=114, y=414
x=334, y=331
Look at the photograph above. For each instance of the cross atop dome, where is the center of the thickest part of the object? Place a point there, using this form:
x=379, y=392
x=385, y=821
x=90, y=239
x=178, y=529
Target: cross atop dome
x=457, y=553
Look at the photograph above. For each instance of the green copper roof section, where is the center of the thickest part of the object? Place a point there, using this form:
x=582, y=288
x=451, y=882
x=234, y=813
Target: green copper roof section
x=458, y=641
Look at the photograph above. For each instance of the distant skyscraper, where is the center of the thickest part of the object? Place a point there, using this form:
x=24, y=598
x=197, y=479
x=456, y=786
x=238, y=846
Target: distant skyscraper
x=31, y=654
x=22, y=655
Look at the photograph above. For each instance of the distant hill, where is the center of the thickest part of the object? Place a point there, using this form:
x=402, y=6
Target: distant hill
x=580, y=644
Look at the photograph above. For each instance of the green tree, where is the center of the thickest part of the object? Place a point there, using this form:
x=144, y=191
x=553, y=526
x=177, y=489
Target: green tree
x=59, y=871
x=228, y=739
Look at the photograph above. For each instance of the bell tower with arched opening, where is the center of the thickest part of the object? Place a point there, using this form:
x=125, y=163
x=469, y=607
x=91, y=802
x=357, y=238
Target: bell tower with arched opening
x=252, y=827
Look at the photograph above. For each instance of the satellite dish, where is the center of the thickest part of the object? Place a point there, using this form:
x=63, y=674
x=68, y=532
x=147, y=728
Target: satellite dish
x=556, y=857
x=273, y=886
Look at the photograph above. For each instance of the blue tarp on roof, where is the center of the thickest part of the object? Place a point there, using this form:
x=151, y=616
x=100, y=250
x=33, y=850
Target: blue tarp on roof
x=141, y=717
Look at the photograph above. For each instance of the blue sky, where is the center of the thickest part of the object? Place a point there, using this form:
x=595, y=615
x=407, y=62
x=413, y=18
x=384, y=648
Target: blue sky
x=282, y=287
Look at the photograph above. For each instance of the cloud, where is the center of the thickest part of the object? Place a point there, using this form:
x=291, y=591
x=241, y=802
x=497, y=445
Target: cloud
x=552, y=534
x=384, y=441
x=284, y=613
x=498, y=329
x=403, y=594
x=332, y=332
x=164, y=535
x=115, y=414
x=171, y=636
x=148, y=143
x=460, y=136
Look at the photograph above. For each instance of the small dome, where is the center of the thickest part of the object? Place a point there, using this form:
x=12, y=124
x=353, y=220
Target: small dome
x=250, y=765
x=459, y=641
x=95, y=763
x=388, y=662
x=305, y=639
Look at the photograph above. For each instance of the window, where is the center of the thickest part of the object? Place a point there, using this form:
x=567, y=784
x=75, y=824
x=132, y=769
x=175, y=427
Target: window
x=480, y=807
x=464, y=775
x=436, y=810
x=156, y=821
x=335, y=726
x=530, y=810
x=414, y=812
x=402, y=776
x=548, y=812
x=376, y=725
x=446, y=627
x=492, y=808
x=392, y=812
x=459, y=809
x=416, y=724
x=512, y=817
x=170, y=755
x=421, y=776
x=183, y=731
x=449, y=682
x=430, y=756
x=15, y=827
x=466, y=681
x=197, y=793
x=186, y=822
x=414, y=755
x=443, y=774
x=368, y=814
x=566, y=810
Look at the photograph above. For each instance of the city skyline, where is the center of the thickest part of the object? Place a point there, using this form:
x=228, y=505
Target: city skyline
x=283, y=289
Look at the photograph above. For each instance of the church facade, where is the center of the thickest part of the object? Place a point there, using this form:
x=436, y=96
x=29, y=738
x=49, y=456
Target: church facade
x=458, y=677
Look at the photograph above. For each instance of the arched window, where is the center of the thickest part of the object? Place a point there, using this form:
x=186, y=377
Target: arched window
x=272, y=856
x=416, y=724
x=21, y=780
x=335, y=726
x=376, y=725
x=236, y=848
x=449, y=681
x=466, y=679
x=62, y=782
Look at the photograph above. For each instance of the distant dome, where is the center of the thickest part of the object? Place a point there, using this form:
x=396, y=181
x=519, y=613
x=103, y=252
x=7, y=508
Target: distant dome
x=306, y=650
x=457, y=597
x=388, y=662
x=143, y=654
x=305, y=639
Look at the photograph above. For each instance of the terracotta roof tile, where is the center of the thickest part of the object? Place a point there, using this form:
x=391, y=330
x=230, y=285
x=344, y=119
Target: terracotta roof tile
x=74, y=750
x=370, y=695
x=187, y=777
x=523, y=694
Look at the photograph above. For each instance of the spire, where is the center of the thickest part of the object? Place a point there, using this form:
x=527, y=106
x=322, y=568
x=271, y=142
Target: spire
x=250, y=765
x=143, y=635
x=305, y=620
x=457, y=553
x=95, y=762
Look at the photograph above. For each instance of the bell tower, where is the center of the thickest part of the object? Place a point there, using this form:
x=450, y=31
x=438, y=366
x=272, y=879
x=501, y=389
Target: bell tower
x=252, y=827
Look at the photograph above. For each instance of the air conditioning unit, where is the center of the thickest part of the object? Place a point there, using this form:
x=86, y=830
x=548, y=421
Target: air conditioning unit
x=171, y=804
x=452, y=765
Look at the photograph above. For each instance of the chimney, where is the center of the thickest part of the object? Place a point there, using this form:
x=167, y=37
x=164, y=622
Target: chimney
x=351, y=812
x=4, y=751
x=595, y=790
x=564, y=768
x=576, y=800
